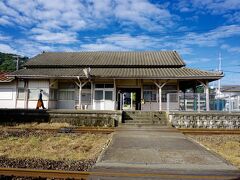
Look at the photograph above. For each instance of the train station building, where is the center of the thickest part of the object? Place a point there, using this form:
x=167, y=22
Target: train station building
x=106, y=80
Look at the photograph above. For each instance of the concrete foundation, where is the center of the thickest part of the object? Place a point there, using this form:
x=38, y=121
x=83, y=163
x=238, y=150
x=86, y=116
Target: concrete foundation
x=74, y=117
x=205, y=120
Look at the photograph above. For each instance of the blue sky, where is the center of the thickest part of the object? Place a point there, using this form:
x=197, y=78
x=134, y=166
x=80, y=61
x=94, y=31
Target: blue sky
x=198, y=29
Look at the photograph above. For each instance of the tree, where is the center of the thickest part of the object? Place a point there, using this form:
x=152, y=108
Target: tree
x=8, y=62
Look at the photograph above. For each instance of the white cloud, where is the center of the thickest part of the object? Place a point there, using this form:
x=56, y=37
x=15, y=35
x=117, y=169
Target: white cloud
x=228, y=8
x=212, y=6
x=212, y=37
x=127, y=42
x=101, y=47
x=142, y=12
x=121, y=42
x=78, y=15
x=4, y=37
x=7, y=49
x=46, y=36
x=230, y=48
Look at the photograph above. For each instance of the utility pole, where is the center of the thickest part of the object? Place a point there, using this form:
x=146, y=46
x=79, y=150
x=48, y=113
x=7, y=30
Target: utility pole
x=17, y=62
x=219, y=70
x=17, y=66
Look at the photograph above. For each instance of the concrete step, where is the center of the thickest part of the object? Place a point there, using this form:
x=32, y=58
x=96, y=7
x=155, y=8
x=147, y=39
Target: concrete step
x=136, y=125
x=145, y=117
x=138, y=121
x=146, y=122
x=133, y=117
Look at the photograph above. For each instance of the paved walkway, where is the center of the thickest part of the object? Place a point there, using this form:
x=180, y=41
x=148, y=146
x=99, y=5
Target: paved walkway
x=157, y=153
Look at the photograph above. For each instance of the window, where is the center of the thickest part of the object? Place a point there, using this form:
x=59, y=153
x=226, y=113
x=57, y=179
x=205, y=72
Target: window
x=66, y=91
x=149, y=93
x=87, y=86
x=66, y=85
x=168, y=89
x=53, y=94
x=103, y=86
x=33, y=94
x=66, y=94
x=6, y=94
x=99, y=85
x=21, y=93
x=108, y=95
x=99, y=95
x=104, y=92
x=108, y=85
x=86, y=97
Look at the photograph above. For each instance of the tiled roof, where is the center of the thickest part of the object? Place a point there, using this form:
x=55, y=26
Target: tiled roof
x=230, y=88
x=4, y=77
x=156, y=73
x=107, y=59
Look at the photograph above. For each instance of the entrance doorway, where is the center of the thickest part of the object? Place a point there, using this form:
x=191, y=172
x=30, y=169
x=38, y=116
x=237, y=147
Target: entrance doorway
x=129, y=98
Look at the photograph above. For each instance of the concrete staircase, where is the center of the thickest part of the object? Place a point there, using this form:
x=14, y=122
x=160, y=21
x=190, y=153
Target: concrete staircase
x=144, y=118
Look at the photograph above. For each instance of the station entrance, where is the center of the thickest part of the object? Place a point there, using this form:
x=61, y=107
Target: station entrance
x=129, y=98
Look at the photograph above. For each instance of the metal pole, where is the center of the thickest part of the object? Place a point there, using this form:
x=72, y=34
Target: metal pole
x=238, y=98
x=168, y=99
x=229, y=104
x=199, y=104
x=219, y=70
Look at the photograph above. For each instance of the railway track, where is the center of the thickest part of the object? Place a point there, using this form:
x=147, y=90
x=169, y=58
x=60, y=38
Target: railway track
x=69, y=130
x=111, y=130
x=20, y=172
x=80, y=175
x=194, y=131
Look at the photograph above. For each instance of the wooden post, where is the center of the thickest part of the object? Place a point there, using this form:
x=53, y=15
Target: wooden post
x=114, y=93
x=26, y=94
x=16, y=95
x=160, y=98
x=80, y=85
x=80, y=95
x=178, y=89
x=92, y=95
x=160, y=86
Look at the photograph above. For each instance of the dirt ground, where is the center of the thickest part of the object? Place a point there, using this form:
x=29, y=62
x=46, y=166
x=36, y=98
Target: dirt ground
x=52, y=146
x=38, y=126
x=228, y=146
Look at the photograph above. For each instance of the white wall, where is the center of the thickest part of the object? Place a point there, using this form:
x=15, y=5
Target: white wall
x=7, y=95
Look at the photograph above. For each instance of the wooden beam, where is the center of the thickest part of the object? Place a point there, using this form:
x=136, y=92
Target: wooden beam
x=80, y=85
x=160, y=86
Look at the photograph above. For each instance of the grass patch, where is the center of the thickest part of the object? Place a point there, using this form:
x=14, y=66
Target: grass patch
x=54, y=146
x=228, y=146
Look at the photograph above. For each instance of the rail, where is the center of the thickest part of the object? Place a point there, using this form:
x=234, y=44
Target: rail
x=68, y=130
x=208, y=131
x=81, y=175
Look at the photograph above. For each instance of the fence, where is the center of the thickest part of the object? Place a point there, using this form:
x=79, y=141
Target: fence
x=197, y=102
